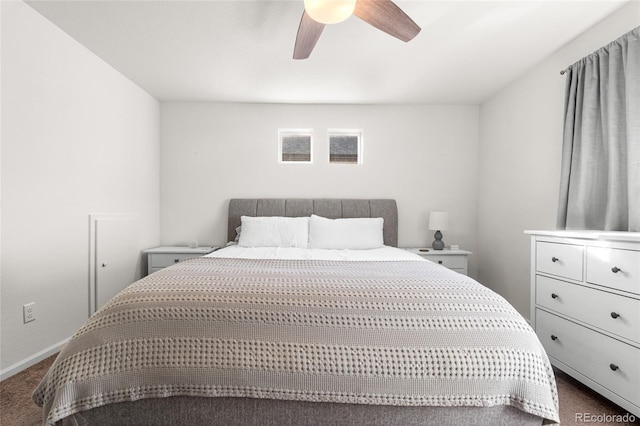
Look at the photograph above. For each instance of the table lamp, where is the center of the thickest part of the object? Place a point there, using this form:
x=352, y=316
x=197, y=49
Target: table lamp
x=438, y=221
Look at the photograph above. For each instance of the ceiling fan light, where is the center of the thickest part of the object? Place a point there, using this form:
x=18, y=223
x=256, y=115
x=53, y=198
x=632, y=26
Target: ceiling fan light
x=329, y=11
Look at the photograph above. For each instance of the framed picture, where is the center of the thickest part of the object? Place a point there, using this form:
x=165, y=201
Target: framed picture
x=345, y=146
x=295, y=146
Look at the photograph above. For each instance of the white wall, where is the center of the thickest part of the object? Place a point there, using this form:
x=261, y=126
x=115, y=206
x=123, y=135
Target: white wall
x=423, y=156
x=77, y=138
x=520, y=154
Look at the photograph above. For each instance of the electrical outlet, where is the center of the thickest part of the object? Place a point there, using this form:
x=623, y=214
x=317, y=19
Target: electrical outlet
x=29, y=312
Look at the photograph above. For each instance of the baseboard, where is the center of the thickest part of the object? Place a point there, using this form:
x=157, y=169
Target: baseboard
x=32, y=360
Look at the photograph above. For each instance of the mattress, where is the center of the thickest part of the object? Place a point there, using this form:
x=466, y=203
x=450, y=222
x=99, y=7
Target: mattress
x=378, y=328
x=384, y=253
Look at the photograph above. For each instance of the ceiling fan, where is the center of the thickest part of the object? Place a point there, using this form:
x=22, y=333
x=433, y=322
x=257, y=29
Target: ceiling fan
x=382, y=14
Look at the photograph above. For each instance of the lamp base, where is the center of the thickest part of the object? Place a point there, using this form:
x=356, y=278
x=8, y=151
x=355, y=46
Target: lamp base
x=437, y=244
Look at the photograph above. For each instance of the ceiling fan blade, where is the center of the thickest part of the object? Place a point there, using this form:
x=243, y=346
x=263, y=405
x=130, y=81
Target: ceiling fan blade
x=385, y=15
x=308, y=34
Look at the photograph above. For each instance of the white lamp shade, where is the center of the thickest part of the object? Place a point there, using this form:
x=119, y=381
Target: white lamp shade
x=329, y=11
x=438, y=221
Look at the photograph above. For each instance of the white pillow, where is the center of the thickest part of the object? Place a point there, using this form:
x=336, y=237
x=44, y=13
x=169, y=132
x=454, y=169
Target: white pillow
x=274, y=231
x=353, y=234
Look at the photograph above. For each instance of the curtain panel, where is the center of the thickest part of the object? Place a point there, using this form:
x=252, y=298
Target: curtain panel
x=600, y=177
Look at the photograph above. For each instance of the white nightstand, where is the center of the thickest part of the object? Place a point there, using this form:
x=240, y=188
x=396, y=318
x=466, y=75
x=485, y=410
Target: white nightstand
x=455, y=260
x=161, y=257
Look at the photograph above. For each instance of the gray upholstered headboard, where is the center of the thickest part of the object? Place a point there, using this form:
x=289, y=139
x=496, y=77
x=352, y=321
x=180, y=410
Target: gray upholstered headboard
x=333, y=208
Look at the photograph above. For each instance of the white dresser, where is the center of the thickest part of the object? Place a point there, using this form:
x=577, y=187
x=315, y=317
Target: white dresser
x=585, y=308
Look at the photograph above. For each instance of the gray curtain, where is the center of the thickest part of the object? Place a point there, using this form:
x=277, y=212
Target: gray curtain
x=600, y=178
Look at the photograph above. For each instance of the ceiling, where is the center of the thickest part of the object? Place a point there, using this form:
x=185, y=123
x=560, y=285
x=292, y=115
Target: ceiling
x=241, y=51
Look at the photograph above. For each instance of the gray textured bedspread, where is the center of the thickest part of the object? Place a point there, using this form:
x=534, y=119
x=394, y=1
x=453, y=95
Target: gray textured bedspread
x=407, y=333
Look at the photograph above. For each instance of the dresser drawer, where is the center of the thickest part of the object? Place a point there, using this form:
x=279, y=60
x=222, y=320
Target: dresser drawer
x=610, y=312
x=563, y=260
x=615, y=268
x=162, y=260
x=607, y=361
x=449, y=261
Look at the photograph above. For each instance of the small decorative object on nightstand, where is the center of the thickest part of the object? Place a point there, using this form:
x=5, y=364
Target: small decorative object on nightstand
x=438, y=221
x=160, y=257
x=456, y=260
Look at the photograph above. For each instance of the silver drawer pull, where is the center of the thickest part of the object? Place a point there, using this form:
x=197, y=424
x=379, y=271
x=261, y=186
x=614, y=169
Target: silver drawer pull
x=554, y=296
x=614, y=315
x=554, y=259
x=615, y=270
x=554, y=337
x=613, y=367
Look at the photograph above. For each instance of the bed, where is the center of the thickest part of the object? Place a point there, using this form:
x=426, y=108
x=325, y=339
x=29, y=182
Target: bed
x=257, y=334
